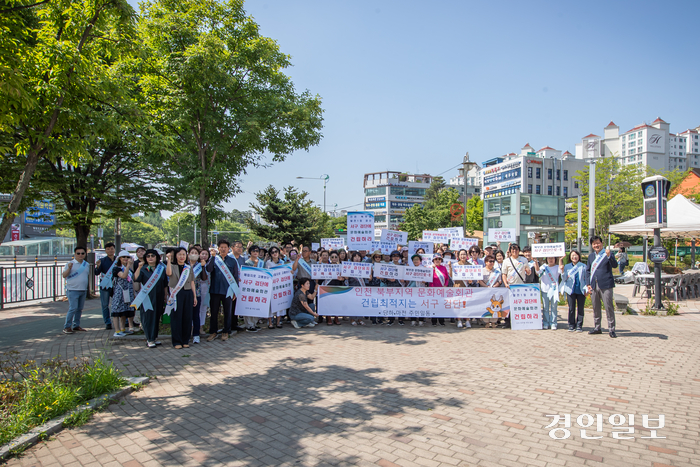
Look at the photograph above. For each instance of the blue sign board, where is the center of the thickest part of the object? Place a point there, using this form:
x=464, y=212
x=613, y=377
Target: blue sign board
x=42, y=213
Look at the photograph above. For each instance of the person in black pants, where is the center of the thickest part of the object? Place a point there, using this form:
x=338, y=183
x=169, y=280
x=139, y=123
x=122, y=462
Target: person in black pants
x=186, y=298
x=150, y=319
x=574, y=276
x=218, y=290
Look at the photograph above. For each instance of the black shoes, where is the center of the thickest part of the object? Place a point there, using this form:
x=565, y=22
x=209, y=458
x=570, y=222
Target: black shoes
x=108, y=326
x=612, y=334
x=595, y=331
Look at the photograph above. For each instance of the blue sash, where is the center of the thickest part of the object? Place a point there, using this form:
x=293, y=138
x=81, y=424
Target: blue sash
x=142, y=297
x=106, y=282
x=232, y=286
x=73, y=274
x=305, y=265
x=596, y=262
x=172, y=300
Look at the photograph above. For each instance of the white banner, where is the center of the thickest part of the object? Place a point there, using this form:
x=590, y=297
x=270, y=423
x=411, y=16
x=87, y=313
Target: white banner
x=457, y=244
x=423, y=302
x=526, y=307
x=455, y=232
x=332, y=243
x=467, y=272
x=387, y=271
x=315, y=246
x=394, y=236
x=501, y=235
x=436, y=237
x=413, y=247
x=255, y=287
x=544, y=250
x=361, y=270
x=325, y=271
x=385, y=247
x=360, y=230
x=427, y=260
x=282, y=289
x=413, y=273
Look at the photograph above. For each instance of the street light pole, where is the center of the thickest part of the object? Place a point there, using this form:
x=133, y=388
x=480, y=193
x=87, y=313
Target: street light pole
x=466, y=166
x=323, y=177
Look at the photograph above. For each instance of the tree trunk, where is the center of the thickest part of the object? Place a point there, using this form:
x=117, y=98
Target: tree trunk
x=82, y=235
x=18, y=194
x=203, y=216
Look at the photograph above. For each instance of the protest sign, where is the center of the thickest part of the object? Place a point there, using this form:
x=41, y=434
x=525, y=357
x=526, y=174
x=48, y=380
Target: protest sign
x=332, y=243
x=184, y=244
x=385, y=247
x=436, y=236
x=282, y=289
x=414, y=302
x=455, y=232
x=467, y=272
x=255, y=288
x=360, y=230
x=325, y=271
x=501, y=235
x=315, y=246
x=525, y=306
x=414, y=246
x=350, y=269
x=387, y=271
x=427, y=260
x=544, y=250
x=394, y=236
x=457, y=244
x=417, y=273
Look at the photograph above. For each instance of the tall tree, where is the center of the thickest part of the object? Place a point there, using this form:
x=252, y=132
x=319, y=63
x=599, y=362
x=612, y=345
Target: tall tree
x=433, y=215
x=475, y=214
x=62, y=65
x=436, y=186
x=218, y=85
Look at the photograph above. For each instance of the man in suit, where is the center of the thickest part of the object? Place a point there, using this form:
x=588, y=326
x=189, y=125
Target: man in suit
x=601, y=283
x=218, y=290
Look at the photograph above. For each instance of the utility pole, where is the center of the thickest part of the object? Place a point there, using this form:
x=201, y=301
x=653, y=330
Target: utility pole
x=591, y=199
x=118, y=234
x=466, y=165
x=579, y=244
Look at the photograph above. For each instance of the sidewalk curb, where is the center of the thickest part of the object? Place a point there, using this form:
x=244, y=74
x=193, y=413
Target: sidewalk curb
x=55, y=425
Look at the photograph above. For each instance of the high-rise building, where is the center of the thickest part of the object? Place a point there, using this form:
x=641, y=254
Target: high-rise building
x=389, y=194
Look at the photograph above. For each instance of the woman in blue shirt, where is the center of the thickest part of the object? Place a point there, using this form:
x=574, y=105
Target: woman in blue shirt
x=574, y=284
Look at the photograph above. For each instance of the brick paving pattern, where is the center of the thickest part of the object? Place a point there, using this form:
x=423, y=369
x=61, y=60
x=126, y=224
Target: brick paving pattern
x=392, y=396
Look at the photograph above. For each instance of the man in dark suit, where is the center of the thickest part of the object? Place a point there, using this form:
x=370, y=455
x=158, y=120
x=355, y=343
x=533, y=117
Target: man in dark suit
x=218, y=289
x=601, y=283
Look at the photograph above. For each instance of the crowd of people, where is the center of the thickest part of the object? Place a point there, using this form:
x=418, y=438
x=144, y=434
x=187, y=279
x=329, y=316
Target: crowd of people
x=191, y=284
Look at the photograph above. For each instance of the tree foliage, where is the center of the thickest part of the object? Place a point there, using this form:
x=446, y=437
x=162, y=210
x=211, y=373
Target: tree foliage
x=434, y=214
x=436, y=186
x=475, y=214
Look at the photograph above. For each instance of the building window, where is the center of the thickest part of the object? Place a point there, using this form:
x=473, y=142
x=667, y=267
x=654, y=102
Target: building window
x=529, y=172
x=558, y=174
x=566, y=175
x=558, y=191
x=566, y=191
x=538, y=172
x=639, y=134
x=549, y=174
x=495, y=206
x=575, y=184
x=375, y=191
x=529, y=188
x=549, y=190
x=537, y=189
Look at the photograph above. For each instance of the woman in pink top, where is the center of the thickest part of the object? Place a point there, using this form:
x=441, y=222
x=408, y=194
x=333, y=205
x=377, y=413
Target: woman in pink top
x=441, y=278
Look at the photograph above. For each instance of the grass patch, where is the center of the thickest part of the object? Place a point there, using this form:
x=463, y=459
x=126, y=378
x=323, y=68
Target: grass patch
x=32, y=394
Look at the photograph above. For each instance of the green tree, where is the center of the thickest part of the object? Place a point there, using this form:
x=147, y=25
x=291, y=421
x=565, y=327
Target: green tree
x=137, y=232
x=475, y=214
x=436, y=186
x=433, y=215
x=216, y=83
x=61, y=66
x=180, y=226
x=292, y=217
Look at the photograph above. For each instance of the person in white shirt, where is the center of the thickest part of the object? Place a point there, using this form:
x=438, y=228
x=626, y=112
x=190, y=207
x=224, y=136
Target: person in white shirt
x=549, y=285
x=76, y=273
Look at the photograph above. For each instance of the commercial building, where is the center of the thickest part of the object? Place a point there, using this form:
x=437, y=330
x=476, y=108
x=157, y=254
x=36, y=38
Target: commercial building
x=389, y=194
x=473, y=182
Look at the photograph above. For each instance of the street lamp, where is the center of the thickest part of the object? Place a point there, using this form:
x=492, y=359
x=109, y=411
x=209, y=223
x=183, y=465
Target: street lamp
x=467, y=165
x=323, y=177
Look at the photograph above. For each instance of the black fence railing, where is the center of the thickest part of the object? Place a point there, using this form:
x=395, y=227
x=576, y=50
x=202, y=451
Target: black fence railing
x=28, y=283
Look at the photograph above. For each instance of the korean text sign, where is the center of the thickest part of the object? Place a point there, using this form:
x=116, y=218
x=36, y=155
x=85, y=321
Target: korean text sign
x=332, y=243
x=388, y=271
x=360, y=230
x=414, y=246
x=325, y=271
x=282, y=289
x=457, y=244
x=436, y=237
x=256, y=291
x=350, y=269
x=544, y=250
x=526, y=310
x=394, y=236
x=501, y=235
x=467, y=272
x=385, y=247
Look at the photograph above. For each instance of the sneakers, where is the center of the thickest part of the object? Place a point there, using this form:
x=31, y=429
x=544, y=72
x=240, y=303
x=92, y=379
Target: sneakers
x=413, y=323
x=151, y=345
x=442, y=324
x=579, y=330
x=252, y=329
x=554, y=326
x=195, y=340
x=421, y=323
x=224, y=336
x=119, y=334
x=459, y=324
x=211, y=337
x=295, y=324
x=571, y=329
x=127, y=332
x=311, y=324
x=108, y=326
x=158, y=343
x=389, y=323
x=401, y=323
x=67, y=331
x=78, y=328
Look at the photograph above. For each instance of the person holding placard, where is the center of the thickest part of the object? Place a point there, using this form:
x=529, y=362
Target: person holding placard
x=574, y=283
x=387, y=282
x=356, y=257
x=549, y=285
x=274, y=261
x=441, y=278
x=418, y=263
x=600, y=284
x=342, y=255
x=463, y=260
x=491, y=278
x=375, y=282
x=475, y=256
x=253, y=261
x=76, y=273
x=333, y=258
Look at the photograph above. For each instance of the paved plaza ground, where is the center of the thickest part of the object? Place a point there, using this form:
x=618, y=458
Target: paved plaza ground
x=383, y=396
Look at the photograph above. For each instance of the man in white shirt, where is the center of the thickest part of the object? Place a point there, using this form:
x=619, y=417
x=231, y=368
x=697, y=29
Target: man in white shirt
x=76, y=273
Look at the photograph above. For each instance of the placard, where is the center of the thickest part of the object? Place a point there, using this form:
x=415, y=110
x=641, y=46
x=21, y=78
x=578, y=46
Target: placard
x=457, y=244
x=414, y=302
x=387, y=271
x=427, y=260
x=315, y=246
x=526, y=307
x=502, y=235
x=325, y=271
x=545, y=250
x=255, y=287
x=436, y=236
x=467, y=272
x=455, y=232
x=332, y=243
x=385, y=247
x=417, y=273
x=351, y=269
x=184, y=244
x=360, y=230
x=414, y=246
x=394, y=236
x=282, y=289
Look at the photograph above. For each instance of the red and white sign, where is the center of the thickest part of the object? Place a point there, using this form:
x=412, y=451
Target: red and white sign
x=15, y=232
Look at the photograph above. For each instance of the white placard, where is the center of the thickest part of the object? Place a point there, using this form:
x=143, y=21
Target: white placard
x=332, y=243
x=545, y=250
x=436, y=236
x=394, y=236
x=417, y=273
x=385, y=247
x=467, y=272
x=414, y=246
x=526, y=310
x=325, y=271
x=315, y=246
x=351, y=269
x=457, y=244
x=360, y=230
x=255, y=287
x=387, y=271
x=282, y=289
x=501, y=235
x=184, y=244
x=427, y=260
x=455, y=232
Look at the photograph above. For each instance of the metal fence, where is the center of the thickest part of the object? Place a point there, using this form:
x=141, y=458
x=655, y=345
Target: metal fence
x=28, y=283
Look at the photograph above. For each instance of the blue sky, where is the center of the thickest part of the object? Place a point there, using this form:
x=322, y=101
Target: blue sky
x=412, y=86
